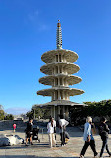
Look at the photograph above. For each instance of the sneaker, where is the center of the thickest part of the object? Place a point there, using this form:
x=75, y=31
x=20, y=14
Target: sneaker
x=81, y=156
x=26, y=144
x=31, y=143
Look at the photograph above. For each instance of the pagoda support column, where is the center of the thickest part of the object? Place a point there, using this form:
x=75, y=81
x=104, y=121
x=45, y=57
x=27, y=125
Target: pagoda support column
x=58, y=69
x=63, y=108
x=58, y=94
x=58, y=110
x=67, y=113
x=54, y=113
x=58, y=57
x=58, y=81
x=54, y=96
x=54, y=82
x=54, y=70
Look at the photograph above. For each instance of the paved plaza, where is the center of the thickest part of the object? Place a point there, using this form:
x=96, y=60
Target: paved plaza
x=42, y=150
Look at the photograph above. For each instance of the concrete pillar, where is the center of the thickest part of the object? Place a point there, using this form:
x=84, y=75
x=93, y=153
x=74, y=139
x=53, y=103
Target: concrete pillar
x=54, y=82
x=54, y=70
x=51, y=111
x=58, y=81
x=67, y=113
x=58, y=57
x=54, y=96
x=58, y=69
x=62, y=81
x=58, y=95
x=58, y=110
x=64, y=95
x=62, y=68
x=63, y=111
x=54, y=113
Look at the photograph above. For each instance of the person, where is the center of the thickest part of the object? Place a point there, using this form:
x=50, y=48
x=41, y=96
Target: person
x=14, y=127
x=88, y=138
x=54, y=122
x=50, y=128
x=29, y=131
x=62, y=124
x=103, y=132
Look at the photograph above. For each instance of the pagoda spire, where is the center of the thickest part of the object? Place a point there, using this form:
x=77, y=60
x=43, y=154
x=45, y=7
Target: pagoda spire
x=59, y=36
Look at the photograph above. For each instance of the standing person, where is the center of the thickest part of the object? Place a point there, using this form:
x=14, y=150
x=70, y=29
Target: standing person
x=88, y=138
x=29, y=131
x=62, y=124
x=14, y=127
x=50, y=127
x=54, y=123
x=103, y=132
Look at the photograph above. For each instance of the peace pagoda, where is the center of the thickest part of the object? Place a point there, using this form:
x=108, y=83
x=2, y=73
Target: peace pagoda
x=59, y=69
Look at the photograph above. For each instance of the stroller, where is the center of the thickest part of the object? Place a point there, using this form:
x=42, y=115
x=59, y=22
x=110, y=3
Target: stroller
x=35, y=133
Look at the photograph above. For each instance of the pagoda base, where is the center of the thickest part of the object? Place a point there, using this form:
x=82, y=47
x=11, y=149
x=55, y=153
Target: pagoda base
x=60, y=110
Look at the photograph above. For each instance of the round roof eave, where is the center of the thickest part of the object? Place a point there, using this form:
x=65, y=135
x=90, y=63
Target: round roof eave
x=71, y=67
x=49, y=56
x=71, y=91
x=48, y=80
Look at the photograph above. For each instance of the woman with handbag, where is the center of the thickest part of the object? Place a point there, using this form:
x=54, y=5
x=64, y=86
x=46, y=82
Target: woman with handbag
x=29, y=131
x=50, y=127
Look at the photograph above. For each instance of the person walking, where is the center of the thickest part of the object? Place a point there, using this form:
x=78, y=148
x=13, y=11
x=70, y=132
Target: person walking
x=62, y=124
x=103, y=132
x=29, y=131
x=14, y=127
x=88, y=138
x=50, y=127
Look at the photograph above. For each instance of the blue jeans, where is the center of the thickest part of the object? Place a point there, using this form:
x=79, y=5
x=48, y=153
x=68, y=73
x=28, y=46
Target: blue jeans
x=104, y=145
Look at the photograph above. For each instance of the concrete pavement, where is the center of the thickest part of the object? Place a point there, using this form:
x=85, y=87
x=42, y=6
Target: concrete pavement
x=42, y=150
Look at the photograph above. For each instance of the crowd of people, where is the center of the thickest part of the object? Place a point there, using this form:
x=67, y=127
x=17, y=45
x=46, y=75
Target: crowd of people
x=64, y=136
x=61, y=124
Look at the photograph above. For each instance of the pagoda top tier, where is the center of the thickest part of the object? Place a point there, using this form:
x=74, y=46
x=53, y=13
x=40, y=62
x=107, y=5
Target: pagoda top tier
x=49, y=56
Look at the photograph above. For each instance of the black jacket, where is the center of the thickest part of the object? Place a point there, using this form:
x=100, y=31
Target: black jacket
x=103, y=130
x=29, y=127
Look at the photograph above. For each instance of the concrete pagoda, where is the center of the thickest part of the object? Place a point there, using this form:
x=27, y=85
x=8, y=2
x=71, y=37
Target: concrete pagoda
x=59, y=68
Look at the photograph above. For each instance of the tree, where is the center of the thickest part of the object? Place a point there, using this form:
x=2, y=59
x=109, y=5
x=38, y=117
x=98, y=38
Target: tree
x=9, y=117
x=2, y=115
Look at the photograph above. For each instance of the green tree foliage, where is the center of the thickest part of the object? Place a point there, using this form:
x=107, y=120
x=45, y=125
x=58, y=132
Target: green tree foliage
x=9, y=117
x=102, y=108
x=39, y=112
x=2, y=115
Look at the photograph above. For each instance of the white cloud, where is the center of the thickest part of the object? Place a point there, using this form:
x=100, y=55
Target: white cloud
x=35, y=20
x=33, y=16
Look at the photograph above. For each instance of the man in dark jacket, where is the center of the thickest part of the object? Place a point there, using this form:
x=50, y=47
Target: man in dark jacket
x=103, y=131
x=29, y=131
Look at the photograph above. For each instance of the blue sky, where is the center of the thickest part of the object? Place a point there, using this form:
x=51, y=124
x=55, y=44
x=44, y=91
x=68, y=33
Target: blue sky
x=28, y=29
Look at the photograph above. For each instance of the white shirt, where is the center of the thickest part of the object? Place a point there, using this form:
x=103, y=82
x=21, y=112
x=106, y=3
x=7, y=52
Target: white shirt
x=63, y=122
x=50, y=128
x=54, y=123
